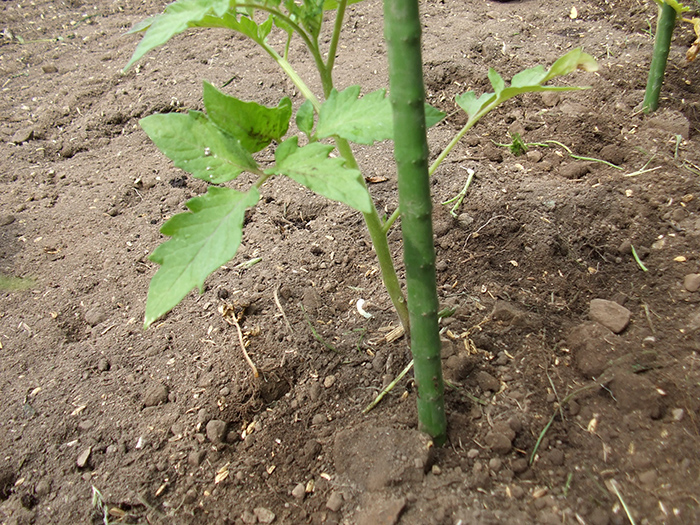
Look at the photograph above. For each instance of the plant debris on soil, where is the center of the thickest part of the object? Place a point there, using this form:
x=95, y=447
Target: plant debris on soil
x=571, y=353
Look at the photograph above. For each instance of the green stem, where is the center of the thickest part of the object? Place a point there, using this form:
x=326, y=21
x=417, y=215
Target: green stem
x=293, y=76
x=337, y=27
x=662, y=44
x=402, y=31
x=381, y=246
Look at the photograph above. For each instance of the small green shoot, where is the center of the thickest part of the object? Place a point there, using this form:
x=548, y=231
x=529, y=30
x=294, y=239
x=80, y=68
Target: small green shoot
x=638, y=260
x=388, y=388
x=459, y=198
x=578, y=157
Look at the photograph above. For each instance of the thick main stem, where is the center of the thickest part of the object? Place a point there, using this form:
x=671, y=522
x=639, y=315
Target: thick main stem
x=402, y=32
x=662, y=45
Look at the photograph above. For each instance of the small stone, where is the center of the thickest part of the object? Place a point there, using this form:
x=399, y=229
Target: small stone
x=556, y=456
x=22, y=135
x=94, y=316
x=519, y=465
x=691, y=282
x=495, y=464
x=534, y=155
x=216, y=430
x=103, y=365
x=678, y=414
x=648, y=477
x=190, y=497
x=517, y=491
x=83, y=457
x=156, y=395
x=224, y=391
x=299, y=492
x=435, y=470
x=248, y=517
x=487, y=382
x=575, y=170
x=196, y=457
x=473, y=453
x=264, y=515
x=49, y=68
x=42, y=488
x=6, y=220
x=550, y=98
x=329, y=381
x=498, y=442
x=610, y=314
x=335, y=501
x=319, y=419
x=202, y=416
x=86, y=425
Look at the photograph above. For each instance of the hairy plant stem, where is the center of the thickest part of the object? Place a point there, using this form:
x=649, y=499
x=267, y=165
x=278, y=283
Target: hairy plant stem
x=665, y=24
x=402, y=32
x=372, y=220
x=339, y=17
x=381, y=245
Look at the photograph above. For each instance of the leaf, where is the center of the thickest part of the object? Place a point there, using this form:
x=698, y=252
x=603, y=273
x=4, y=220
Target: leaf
x=496, y=81
x=251, y=123
x=432, y=116
x=311, y=166
x=202, y=240
x=198, y=146
x=573, y=60
x=365, y=120
x=529, y=77
x=175, y=19
x=472, y=105
x=305, y=117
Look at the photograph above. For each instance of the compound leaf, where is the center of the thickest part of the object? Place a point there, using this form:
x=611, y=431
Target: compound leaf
x=177, y=17
x=198, y=146
x=362, y=120
x=311, y=166
x=251, y=123
x=202, y=240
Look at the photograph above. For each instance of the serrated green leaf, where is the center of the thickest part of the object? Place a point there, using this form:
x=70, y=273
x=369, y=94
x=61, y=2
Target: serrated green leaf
x=202, y=240
x=177, y=17
x=364, y=121
x=472, y=105
x=496, y=80
x=198, y=146
x=251, y=123
x=305, y=117
x=529, y=77
x=311, y=167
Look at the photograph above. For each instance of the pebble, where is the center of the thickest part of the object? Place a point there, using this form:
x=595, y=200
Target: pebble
x=103, y=365
x=335, y=501
x=49, y=68
x=519, y=465
x=678, y=414
x=216, y=430
x=648, y=477
x=517, y=491
x=264, y=515
x=575, y=170
x=156, y=395
x=319, y=419
x=83, y=457
x=22, y=135
x=610, y=314
x=248, y=517
x=495, y=464
x=202, y=416
x=224, y=391
x=42, y=488
x=487, y=382
x=299, y=492
x=498, y=442
x=196, y=457
x=6, y=220
x=329, y=381
x=473, y=453
x=94, y=316
x=550, y=98
x=691, y=282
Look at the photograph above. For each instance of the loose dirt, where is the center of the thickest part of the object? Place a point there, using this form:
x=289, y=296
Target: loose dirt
x=562, y=408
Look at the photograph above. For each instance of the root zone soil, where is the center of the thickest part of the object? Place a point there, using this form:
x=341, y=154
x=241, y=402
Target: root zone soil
x=102, y=422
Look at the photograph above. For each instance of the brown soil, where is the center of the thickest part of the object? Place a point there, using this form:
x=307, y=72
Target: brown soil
x=169, y=424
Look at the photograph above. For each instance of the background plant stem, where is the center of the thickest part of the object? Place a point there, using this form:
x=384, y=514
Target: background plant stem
x=665, y=24
x=402, y=31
